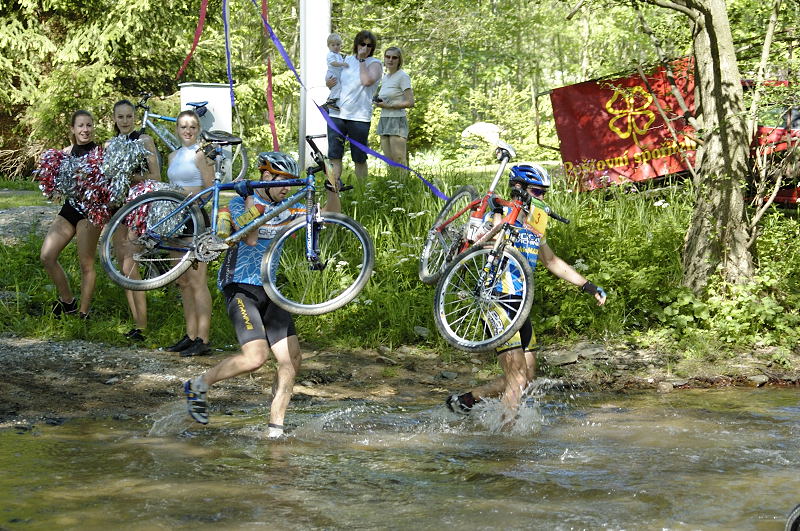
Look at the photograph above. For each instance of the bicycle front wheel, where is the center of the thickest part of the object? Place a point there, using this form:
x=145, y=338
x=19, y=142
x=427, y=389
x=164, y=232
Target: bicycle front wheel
x=346, y=258
x=443, y=242
x=148, y=242
x=482, y=300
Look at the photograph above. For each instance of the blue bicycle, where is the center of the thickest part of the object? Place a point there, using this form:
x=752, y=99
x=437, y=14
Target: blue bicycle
x=235, y=162
x=314, y=265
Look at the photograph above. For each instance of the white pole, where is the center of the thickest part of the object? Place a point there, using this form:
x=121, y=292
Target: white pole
x=315, y=26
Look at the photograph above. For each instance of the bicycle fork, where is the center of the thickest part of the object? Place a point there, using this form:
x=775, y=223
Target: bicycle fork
x=495, y=264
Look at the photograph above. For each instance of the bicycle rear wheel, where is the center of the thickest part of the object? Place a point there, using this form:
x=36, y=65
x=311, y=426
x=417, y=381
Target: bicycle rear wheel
x=346, y=258
x=442, y=243
x=480, y=305
x=236, y=163
x=148, y=242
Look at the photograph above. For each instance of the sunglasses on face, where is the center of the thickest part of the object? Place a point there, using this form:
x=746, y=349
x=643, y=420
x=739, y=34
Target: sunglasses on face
x=536, y=192
x=367, y=44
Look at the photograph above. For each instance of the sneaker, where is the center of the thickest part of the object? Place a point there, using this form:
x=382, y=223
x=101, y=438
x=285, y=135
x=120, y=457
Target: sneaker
x=135, y=334
x=196, y=401
x=198, y=348
x=456, y=405
x=182, y=344
x=84, y=316
x=60, y=307
x=275, y=431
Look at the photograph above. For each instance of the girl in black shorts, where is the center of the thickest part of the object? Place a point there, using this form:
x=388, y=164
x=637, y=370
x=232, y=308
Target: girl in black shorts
x=71, y=222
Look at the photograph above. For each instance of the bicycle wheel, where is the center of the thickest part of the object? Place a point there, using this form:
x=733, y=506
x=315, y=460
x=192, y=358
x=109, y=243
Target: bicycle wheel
x=478, y=306
x=346, y=258
x=148, y=242
x=235, y=163
x=442, y=243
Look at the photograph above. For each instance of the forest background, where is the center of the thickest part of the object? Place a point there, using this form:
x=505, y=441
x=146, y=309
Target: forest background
x=469, y=61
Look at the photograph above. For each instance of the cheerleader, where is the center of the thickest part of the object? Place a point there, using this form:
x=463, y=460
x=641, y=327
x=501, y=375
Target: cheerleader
x=63, y=174
x=130, y=158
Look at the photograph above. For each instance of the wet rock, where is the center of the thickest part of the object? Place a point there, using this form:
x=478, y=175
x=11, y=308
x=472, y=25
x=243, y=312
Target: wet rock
x=561, y=358
x=387, y=360
x=111, y=381
x=383, y=349
x=676, y=382
x=758, y=380
x=448, y=375
x=591, y=351
x=665, y=387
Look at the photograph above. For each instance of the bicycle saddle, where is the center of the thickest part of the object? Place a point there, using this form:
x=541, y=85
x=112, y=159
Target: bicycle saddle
x=221, y=137
x=199, y=107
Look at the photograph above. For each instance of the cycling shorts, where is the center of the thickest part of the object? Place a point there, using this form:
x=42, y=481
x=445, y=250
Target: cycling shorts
x=254, y=316
x=522, y=338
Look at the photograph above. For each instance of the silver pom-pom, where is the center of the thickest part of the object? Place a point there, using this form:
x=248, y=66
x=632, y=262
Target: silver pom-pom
x=123, y=158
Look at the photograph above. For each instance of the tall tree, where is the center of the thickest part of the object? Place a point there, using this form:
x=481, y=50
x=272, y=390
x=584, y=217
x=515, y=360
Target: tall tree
x=717, y=239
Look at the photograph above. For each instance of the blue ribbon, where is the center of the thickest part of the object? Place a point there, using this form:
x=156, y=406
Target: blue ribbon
x=327, y=118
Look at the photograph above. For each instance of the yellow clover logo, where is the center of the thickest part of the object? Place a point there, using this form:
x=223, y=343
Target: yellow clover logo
x=630, y=111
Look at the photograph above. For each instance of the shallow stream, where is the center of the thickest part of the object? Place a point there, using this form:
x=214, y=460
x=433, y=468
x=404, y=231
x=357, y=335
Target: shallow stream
x=699, y=459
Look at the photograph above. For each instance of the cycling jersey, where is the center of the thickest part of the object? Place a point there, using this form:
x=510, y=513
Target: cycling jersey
x=531, y=238
x=242, y=263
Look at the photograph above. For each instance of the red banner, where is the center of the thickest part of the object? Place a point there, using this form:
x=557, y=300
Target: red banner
x=612, y=131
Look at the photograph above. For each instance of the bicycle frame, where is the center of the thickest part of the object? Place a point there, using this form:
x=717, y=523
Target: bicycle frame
x=478, y=206
x=212, y=194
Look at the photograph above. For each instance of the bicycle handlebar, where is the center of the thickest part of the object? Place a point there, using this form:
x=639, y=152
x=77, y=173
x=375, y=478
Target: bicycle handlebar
x=546, y=208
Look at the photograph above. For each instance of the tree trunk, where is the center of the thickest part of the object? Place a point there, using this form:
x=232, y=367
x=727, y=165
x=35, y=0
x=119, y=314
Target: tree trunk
x=716, y=241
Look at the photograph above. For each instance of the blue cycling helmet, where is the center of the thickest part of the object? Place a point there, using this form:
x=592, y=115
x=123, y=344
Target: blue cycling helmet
x=529, y=174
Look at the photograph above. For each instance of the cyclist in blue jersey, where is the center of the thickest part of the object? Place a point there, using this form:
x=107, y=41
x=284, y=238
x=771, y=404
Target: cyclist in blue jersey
x=515, y=356
x=261, y=326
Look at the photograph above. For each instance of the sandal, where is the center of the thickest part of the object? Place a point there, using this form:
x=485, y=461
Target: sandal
x=342, y=187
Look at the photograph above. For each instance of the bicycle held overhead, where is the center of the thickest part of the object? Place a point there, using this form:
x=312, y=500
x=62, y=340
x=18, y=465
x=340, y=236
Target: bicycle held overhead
x=315, y=264
x=461, y=220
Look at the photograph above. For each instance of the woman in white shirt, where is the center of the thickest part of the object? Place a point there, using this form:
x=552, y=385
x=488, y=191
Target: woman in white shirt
x=394, y=97
x=190, y=169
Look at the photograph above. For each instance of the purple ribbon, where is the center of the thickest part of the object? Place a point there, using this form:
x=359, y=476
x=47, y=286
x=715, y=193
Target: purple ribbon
x=228, y=48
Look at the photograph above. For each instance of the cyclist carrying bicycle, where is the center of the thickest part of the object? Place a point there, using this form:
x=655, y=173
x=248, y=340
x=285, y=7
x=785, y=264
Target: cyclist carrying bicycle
x=515, y=356
x=261, y=326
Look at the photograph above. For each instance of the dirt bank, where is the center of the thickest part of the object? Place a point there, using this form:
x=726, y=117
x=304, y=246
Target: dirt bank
x=48, y=381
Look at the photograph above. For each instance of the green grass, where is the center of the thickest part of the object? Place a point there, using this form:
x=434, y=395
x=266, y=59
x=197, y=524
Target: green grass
x=628, y=243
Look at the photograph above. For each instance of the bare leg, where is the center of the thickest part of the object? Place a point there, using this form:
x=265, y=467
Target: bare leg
x=58, y=236
x=497, y=386
x=386, y=146
x=287, y=354
x=137, y=300
x=196, y=301
x=362, y=171
x=88, y=235
x=515, y=375
x=253, y=356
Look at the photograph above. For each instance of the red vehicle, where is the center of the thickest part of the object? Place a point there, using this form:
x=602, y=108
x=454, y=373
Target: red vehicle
x=636, y=128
